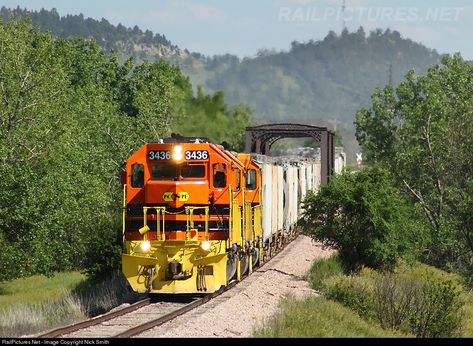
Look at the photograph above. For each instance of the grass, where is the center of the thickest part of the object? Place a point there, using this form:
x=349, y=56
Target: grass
x=32, y=305
x=37, y=303
x=323, y=269
x=37, y=289
x=468, y=320
x=321, y=317
x=28, y=319
x=423, y=270
x=317, y=317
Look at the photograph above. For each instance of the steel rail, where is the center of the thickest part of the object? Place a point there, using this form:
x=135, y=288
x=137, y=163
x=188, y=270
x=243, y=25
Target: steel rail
x=163, y=319
x=95, y=320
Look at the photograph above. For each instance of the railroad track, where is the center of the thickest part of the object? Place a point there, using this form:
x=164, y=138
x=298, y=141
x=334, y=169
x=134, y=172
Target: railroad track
x=128, y=321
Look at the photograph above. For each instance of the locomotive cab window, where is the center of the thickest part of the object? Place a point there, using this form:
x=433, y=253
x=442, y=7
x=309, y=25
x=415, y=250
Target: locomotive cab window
x=251, y=179
x=177, y=172
x=137, y=176
x=192, y=171
x=163, y=172
x=219, y=175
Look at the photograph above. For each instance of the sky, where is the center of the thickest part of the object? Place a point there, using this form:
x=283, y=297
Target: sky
x=242, y=27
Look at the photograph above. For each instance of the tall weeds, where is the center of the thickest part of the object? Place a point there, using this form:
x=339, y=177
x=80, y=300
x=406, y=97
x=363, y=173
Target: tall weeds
x=70, y=306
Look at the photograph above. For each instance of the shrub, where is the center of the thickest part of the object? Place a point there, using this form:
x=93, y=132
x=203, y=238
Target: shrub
x=365, y=218
x=417, y=301
x=317, y=317
x=437, y=311
x=427, y=308
x=354, y=292
x=394, y=296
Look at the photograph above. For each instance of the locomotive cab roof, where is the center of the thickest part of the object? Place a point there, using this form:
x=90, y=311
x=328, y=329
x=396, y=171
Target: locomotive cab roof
x=176, y=138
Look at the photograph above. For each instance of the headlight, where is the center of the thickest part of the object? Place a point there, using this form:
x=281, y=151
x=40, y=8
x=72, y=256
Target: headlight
x=205, y=245
x=145, y=246
x=178, y=156
x=177, y=153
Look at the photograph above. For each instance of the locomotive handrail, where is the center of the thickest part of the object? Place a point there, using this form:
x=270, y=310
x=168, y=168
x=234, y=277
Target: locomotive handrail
x=160, y=228
x=230, y=216
x=159, y=211
x=190, y=220
x=124, y=214
x=248, y=217
x=244, y=217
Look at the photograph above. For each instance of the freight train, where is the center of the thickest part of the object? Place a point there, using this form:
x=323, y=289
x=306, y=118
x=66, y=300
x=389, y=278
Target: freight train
x=197, y=216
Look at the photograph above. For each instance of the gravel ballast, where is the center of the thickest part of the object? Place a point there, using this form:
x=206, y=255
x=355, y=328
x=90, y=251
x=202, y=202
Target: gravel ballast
x=237, y=312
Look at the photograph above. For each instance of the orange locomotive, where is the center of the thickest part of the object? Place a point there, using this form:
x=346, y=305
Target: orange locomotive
x=191, y=217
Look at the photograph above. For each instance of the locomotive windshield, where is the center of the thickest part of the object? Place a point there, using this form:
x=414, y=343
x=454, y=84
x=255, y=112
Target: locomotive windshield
x=192, y=171
x=177, y=172
x=163, y=172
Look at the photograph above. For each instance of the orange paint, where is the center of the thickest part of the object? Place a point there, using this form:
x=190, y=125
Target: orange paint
x=176, y=175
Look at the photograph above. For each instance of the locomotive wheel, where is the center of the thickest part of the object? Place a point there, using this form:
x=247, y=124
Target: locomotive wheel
x=266, y=253
x=276, y=246
x=244, y=264
x=255, y=257
x=231, y=268
x=281, y=242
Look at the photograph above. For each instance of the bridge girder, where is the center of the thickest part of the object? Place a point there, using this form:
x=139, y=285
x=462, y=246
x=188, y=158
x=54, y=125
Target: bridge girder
x=259, y=139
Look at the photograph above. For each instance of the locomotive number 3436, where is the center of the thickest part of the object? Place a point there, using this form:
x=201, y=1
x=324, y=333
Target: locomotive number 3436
x=197, y=154
x=159, y=155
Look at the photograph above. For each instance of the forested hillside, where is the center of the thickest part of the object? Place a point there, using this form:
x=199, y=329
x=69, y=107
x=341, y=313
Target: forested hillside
x=327, y=79
x=320, y=82
x=317, y=82
x=142, y=45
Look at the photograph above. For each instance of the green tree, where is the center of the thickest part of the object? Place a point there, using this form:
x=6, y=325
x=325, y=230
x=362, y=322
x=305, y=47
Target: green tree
x=423, y=132
x=33, y=101
x=364, y=217
x=209, y=116
x=155, y=98
x=69, y=116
